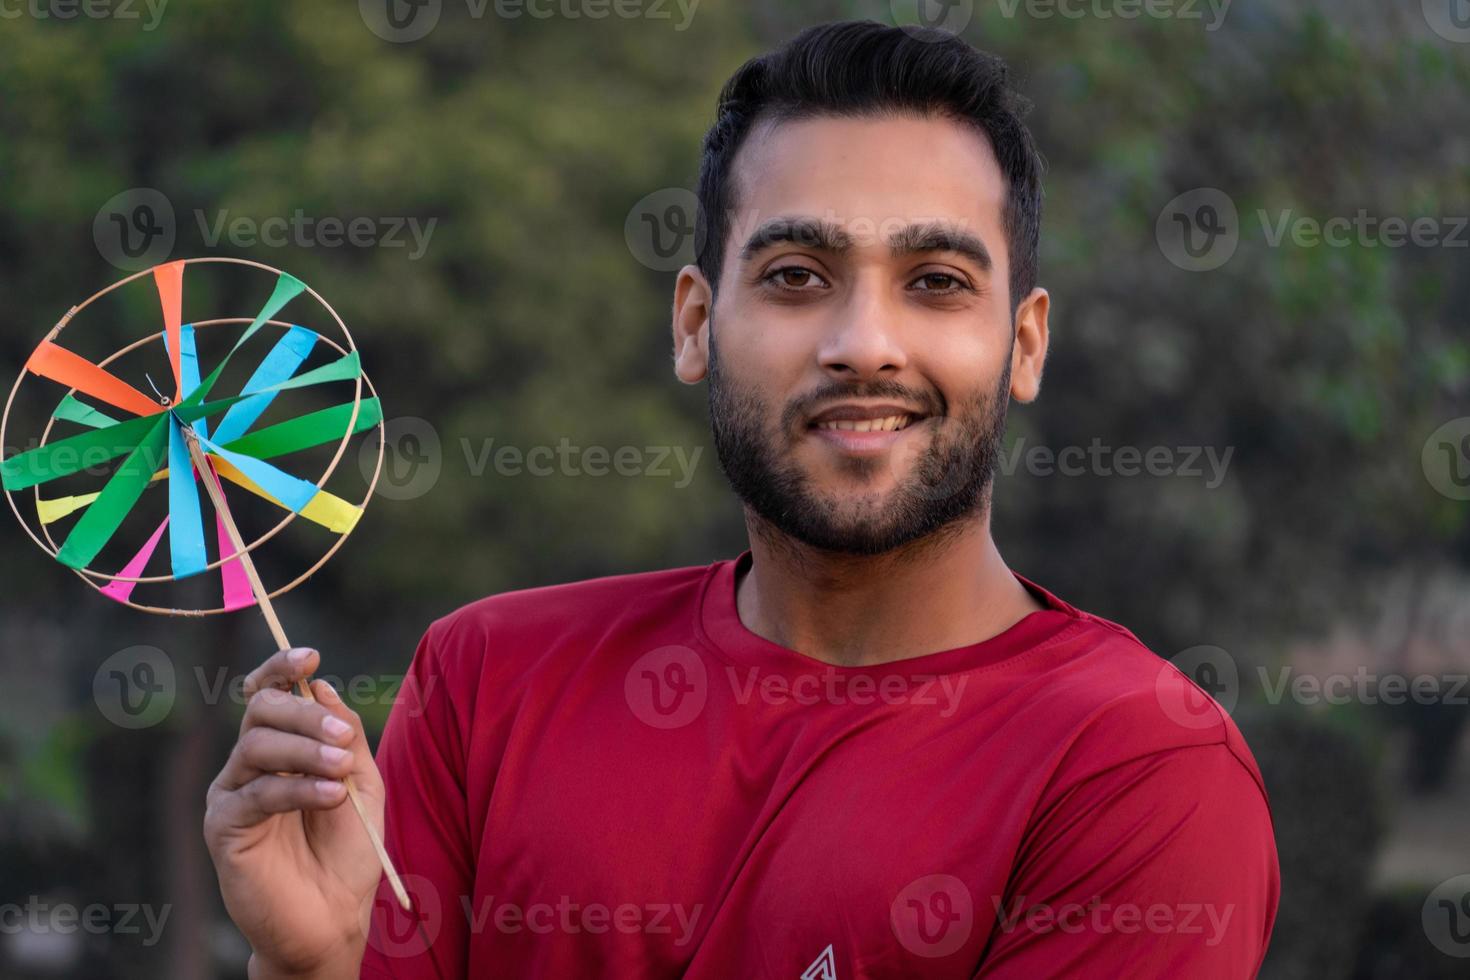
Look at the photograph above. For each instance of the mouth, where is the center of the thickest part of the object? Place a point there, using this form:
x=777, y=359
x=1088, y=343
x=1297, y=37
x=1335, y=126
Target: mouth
x=886, y=423
x=864, y=430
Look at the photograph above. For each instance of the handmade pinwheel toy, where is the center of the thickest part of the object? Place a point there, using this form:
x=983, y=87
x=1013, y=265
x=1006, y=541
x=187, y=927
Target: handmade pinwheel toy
x=188, y=434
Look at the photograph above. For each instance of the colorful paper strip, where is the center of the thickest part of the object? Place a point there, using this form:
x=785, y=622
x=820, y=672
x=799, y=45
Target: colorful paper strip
x=64, y=367
x=282, y=361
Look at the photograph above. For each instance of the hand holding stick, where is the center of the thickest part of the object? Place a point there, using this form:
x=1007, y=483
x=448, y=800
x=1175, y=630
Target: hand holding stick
x=262, y=597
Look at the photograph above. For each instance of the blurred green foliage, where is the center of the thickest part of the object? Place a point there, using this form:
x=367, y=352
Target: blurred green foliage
x=527, y=320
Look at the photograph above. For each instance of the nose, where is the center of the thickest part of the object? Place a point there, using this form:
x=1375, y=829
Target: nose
x=863, y=340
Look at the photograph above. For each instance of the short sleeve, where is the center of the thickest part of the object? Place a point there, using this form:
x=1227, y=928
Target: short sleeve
x=422, y=760
x=1161, y=866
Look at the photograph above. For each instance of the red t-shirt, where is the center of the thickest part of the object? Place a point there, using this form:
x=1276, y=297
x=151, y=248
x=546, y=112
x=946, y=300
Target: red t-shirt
x=617, y=778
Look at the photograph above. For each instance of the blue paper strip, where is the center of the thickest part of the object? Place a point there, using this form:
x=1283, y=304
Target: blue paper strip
x=188, y=367
x=291, y=491
x=186, y=522
x=279, y=365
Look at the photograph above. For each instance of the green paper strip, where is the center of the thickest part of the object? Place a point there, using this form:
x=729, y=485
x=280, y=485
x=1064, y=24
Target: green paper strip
x=74, y=410
x=288, y=287
x=344, y=368
x=101, y=520
x=306, y=431
x=75, y=453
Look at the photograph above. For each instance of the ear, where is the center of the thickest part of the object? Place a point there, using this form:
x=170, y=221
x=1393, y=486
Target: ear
x=692, y=302
x=1028, y=351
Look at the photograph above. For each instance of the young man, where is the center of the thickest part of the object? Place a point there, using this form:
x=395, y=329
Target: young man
x=865, y=748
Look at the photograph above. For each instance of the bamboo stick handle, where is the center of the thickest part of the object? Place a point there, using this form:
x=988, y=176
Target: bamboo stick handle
x=262, y=598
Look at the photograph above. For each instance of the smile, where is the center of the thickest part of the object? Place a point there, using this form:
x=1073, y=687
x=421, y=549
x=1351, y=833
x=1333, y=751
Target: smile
x=888, y=423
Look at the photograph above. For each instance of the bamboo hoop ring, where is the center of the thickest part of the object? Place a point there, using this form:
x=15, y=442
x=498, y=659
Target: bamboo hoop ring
x=92, y=577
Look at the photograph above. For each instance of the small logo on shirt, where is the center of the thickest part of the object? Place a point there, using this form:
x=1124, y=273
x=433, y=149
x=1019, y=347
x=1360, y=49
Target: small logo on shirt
x=824, y=967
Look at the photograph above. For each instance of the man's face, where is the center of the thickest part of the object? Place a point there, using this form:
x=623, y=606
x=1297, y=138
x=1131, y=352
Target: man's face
x=860, y=345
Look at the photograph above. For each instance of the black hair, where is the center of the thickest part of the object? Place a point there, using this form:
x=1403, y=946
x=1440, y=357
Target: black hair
x=857, y=68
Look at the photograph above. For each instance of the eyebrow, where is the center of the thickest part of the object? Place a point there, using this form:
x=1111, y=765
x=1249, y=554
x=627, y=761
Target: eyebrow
x=826, y=236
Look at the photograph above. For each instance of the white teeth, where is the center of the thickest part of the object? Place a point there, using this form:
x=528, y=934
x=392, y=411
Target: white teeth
x=891, y=423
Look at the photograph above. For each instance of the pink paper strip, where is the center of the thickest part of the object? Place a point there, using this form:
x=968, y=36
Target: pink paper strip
x=237, y=591
x=123, y=591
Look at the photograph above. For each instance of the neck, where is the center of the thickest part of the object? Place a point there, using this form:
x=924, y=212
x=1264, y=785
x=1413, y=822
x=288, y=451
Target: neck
x=949, y=590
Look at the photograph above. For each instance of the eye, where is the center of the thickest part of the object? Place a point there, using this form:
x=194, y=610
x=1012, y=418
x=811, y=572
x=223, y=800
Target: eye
x=942, y=282
x=794, y=278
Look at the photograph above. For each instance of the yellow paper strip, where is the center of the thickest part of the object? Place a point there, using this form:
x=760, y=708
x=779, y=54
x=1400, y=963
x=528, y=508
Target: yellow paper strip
x=58, y=507
x=326, y=509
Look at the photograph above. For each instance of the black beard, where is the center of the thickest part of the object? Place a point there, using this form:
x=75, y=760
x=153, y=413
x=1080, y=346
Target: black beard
x=950, y=481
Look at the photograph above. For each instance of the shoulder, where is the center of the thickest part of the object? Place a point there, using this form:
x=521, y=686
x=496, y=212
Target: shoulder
x=1122, y=702
x=516, y=630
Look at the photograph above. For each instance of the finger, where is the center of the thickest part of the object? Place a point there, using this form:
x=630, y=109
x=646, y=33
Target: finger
x=328, y=699
x=270, y=794
x=282, y=670
x=286, y=712
x=268, y=751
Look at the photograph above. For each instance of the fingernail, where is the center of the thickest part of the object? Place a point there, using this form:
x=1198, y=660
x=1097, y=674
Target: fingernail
x=333, y=755
x=298, y=655
x=328, y=787
x=335, y=727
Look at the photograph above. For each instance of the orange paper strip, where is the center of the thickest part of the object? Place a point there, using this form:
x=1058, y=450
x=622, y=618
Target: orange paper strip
x=170, y=281
x=68, y=368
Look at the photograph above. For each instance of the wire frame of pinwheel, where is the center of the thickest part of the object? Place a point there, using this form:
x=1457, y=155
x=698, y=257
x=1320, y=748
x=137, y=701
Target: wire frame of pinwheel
x=121, y=457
